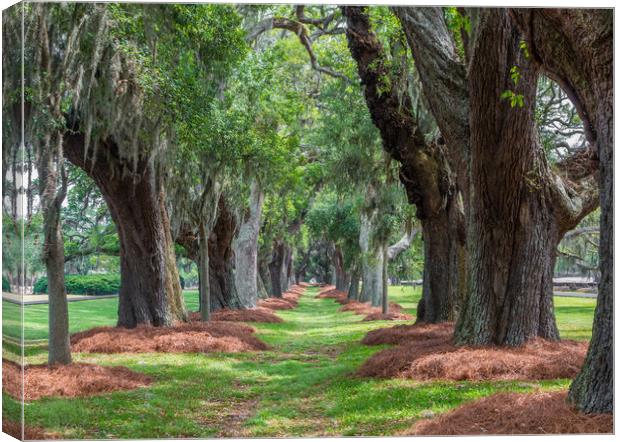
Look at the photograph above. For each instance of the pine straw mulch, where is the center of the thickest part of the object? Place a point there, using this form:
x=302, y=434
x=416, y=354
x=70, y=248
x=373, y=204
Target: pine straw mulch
x=426, y=352
x=193, y=337
x=330, y=292
x=389, y=316
x=74, y=380
x=288, y=301
x=258, y=314
x=30, y=433
x=515, y=413
x=361, y=308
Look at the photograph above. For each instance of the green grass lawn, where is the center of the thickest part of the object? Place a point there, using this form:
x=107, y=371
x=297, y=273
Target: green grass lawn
x=304, y=386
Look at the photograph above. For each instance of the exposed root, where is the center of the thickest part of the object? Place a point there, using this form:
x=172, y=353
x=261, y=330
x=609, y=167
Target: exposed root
x=30, y=433
x=515, y=413
x=426, y=352
x=194, y=337
x=259, y=314
x=74, y=380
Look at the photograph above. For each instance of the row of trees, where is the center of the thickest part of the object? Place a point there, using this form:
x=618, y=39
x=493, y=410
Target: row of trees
x=242, y=140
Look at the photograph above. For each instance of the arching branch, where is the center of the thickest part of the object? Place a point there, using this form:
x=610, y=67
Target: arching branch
x=298, y=28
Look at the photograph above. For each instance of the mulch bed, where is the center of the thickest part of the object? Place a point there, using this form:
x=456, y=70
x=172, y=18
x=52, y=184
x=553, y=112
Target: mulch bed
x=330, y=292
x=74, y=380
x=515, y=413
x=30, y=433
x=193, y=337
x=402, y=334
x=426, y=352
x=288, y=300
x=361, y=308
x=389, y=316
x=258, y=314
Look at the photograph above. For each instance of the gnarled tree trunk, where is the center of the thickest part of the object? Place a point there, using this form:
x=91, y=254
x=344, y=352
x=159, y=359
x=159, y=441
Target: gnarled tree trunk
x=425, y=167
x=575, y=48
x=512, y=230
x=150, y=291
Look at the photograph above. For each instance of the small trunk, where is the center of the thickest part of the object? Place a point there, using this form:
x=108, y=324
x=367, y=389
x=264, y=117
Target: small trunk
x=286, y=267
x=59, y=350
x=372, y=277
x=52, y=191
x=384, y=297
x=275, y=270
x=342, y=278
x=262, y=290
x=203, y=274
x=246, y=251
x=265, y=276
x=372, y=264
x=354, y=291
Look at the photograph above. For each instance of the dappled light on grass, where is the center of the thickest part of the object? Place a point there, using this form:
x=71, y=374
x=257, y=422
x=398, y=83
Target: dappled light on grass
x=305, y=385
x=515, y=413
x=74, y=380
x=426, y=352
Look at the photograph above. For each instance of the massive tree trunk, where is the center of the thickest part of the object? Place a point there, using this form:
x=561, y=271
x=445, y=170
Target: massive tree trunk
x=51, y=173
x=575, y=48
x=150, y=291
x=519, y=209
x=426, y=171
x=246, y=250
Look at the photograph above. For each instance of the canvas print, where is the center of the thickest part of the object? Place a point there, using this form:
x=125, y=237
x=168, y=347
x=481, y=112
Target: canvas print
x=301, y=220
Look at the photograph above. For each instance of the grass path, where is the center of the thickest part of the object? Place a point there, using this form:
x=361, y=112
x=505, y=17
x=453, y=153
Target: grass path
x=304, y=386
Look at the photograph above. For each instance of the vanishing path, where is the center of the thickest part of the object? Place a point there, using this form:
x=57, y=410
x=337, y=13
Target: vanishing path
x=304, y=386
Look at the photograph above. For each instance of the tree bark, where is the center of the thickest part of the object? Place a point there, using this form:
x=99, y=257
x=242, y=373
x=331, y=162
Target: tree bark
x=384, y=280
x=512, y=233
x=221, y=259
x=575, y=48
x=50, y=170
x=354, y=287
x=372, y=263
x=204, y=292
x=246, y=250
x=342, y=278
x=426, y=171
x=150, y=291
x=275, y=269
